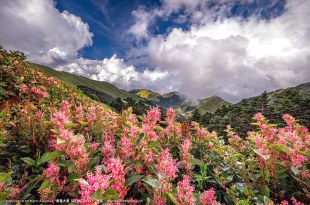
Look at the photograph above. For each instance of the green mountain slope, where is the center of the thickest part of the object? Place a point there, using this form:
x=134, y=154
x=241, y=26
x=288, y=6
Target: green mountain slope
x=294, y=101
x=146, y=94
x=173, y=99
x=75, y=80
x=211, y=104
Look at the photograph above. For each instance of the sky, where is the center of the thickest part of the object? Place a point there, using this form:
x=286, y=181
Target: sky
x=231, y=48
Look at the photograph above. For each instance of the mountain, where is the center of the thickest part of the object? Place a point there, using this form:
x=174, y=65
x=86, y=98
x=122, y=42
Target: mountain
x=166, y=100
x=211, y=104
x=146, y=94
x=294, y=101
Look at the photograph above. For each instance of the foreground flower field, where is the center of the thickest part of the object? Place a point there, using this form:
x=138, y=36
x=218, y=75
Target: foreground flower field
x=59, y=145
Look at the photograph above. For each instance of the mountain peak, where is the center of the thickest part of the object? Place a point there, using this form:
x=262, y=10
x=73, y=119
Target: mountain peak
x=211, y=104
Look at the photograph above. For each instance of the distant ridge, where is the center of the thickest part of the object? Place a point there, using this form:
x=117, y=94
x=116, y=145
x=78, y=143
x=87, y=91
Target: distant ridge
x=211, y=104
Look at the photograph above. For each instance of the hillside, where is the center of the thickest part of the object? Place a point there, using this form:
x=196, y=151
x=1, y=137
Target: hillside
x=166, y=100
x=57, y=143
x=146, y=94
x=211, y=104
x=100, y=86
x=294, y=101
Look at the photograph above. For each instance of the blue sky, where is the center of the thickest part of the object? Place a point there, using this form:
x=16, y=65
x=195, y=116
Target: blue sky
x=231, y=48
x=110, y=19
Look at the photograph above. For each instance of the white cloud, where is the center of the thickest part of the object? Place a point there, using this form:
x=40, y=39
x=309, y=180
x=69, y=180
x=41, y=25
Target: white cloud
x=37, y=28
x=116, y=71
x=232, y=58
x=142, y=21
x=236, y=59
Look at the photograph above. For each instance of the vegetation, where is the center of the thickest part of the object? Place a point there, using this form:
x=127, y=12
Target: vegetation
x=56, y=143
x=211, y=104
x=100, y=86
x=294, y=101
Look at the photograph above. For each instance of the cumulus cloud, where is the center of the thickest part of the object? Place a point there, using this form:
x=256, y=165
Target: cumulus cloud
x=41, y=31
x=116, y=71
x=234, y=58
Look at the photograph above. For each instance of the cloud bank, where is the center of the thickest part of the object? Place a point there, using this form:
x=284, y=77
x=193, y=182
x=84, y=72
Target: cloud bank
x=231, y=57
x=41, y=31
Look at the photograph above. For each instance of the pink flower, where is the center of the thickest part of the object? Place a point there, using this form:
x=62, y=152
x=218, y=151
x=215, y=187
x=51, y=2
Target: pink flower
x=126, y=150
x=208, y=197
x=94, y=146
x=297, y=160
x=295, y=202
x=167, y=165
x=23, y=88
x=289, y=119
x=108, y=150
x=116, y=168
x=16, y=63
x=14, y=192
x=52, y=170
x=185, y=191
x=259, y=117
x=38, y=92
x=94, y=183
x=152, y=116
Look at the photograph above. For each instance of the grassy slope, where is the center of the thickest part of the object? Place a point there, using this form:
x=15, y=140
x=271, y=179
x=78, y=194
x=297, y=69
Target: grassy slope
x=303, y=89
x=146, y=94
x=211, y=104
x=75, y=80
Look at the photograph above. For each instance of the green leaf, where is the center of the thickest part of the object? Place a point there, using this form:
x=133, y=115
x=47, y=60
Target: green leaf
x=73, y=176
x=295, y=170
x=154, y=144
x=5, y=176
x=140, y=137
x=133, y=179
x=217, y=151
x=60, y=140
x=264, y=199
x=83, y=181
x=159, y=128
x=229, y=179
x=241, y=202
x=172, y=198
x=162, y=176
x=254, y=123
x=196, y=161
x=141, y=118
x=28, y=160
x=267, y=176
x=71, y=167
x=237, y=155
x=305, y=153
x=49, y=123
x=110, y=194
x=265, y=157
x=50, y=156
x=93, y=162
x=152, y=181
x=282, y=148
x=55, y=131
x=44, y=185
x=97, y=195
x=70, y=125
x=266, y=191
